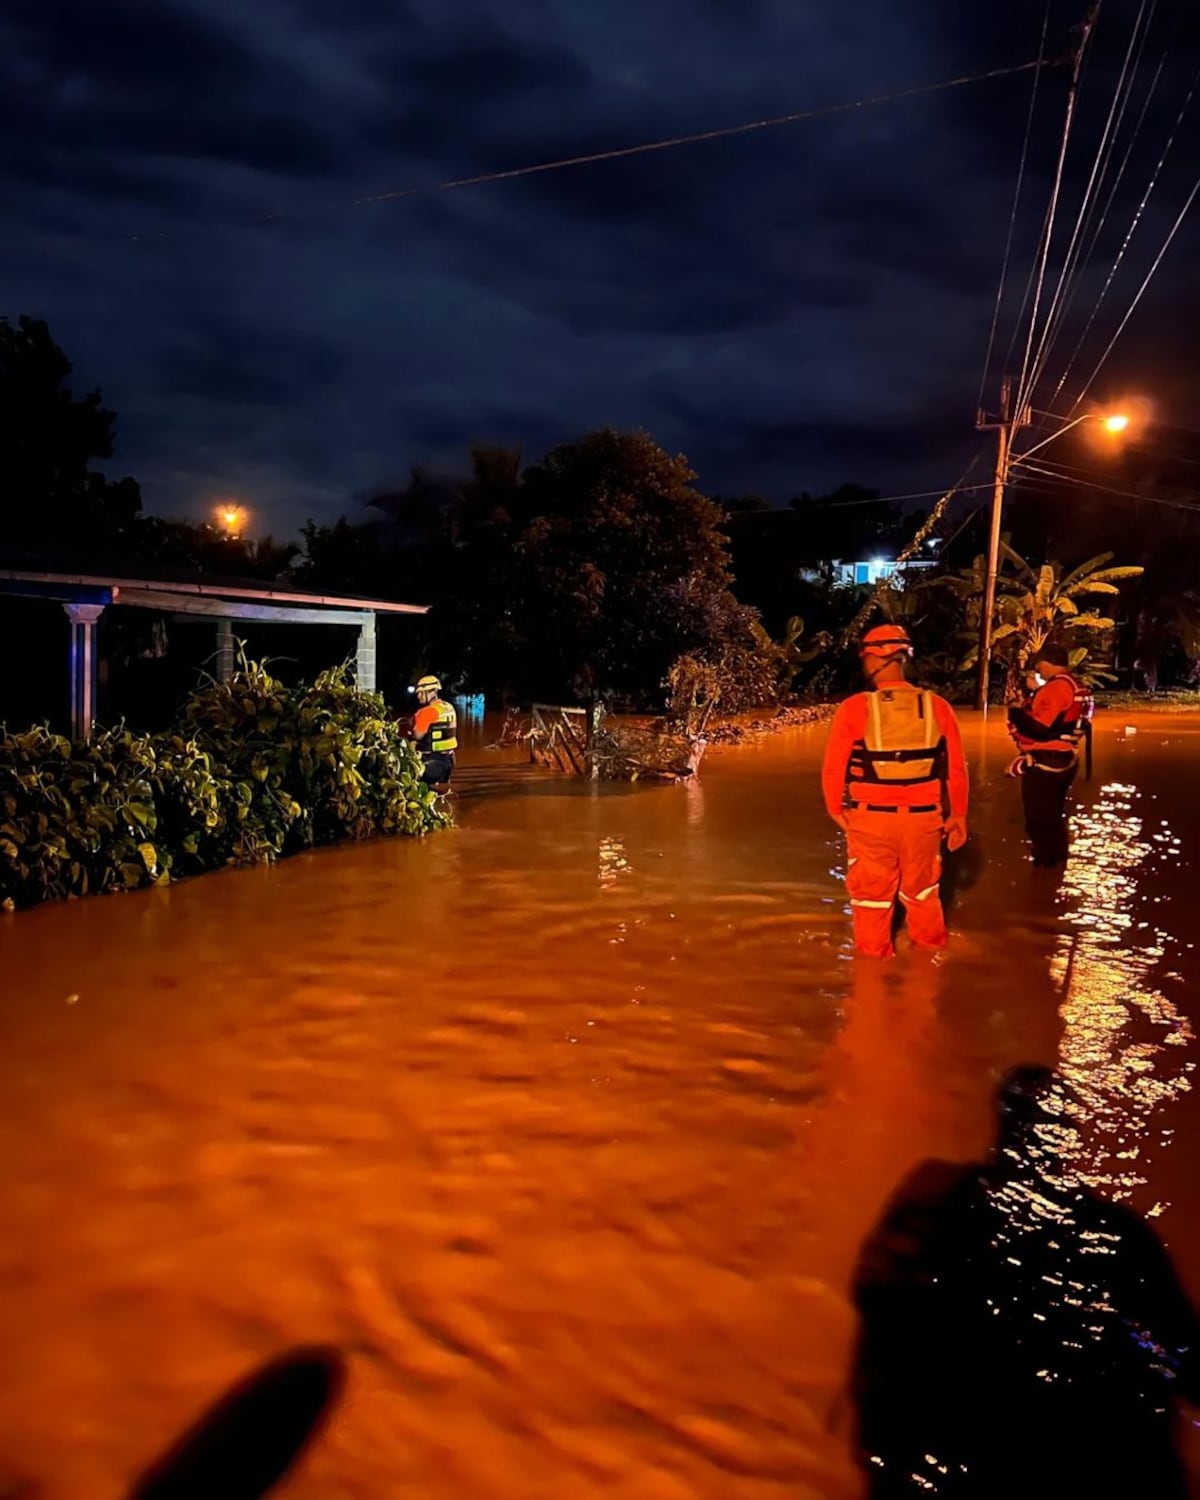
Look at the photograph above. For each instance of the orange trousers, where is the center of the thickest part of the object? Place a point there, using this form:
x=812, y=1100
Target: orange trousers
x=890, y=855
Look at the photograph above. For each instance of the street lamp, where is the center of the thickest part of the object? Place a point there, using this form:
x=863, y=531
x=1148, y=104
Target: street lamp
x=231, y=518
x=1114, y=423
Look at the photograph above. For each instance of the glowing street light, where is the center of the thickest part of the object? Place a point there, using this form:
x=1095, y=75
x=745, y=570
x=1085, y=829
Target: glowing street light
x=1115, y=422
x=232, y=518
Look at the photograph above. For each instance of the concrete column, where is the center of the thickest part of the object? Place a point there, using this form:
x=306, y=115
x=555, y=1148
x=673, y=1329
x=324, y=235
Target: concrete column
x=224, y=650
x=365, y=666
x=83, y=619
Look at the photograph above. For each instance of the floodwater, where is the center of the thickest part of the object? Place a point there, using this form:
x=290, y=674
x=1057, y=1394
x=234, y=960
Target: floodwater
x=566, y=1125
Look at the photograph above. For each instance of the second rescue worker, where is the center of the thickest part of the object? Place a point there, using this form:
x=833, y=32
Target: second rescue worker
x=435, y=732
x=1049, y=730
x=895, y=780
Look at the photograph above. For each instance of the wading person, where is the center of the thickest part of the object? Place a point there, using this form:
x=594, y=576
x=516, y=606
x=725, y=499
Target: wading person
x=1048, y=730
x=435, y=732
x=895, y=780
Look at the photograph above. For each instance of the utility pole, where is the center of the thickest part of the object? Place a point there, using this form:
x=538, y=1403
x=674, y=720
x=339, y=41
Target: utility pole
x=1004, y=428
x=1009, y=422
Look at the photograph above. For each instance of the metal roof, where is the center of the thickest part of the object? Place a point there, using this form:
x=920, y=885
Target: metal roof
x=150, y=593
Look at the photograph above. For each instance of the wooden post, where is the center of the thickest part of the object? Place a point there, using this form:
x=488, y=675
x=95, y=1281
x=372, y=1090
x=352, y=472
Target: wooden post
x=591, y=765
x=224, y=650
x=365, y=669
x=83, y=619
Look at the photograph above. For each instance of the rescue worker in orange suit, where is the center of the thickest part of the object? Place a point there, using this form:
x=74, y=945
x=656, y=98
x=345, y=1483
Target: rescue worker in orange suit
x=435, y=732
x=894, y=779
x=1048, y=729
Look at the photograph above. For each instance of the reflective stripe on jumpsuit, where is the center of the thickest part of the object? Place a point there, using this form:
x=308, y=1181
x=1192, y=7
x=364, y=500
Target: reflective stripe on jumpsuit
x=890, y=855
x=894, y=777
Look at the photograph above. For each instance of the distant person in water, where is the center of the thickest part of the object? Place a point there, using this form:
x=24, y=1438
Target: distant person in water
x=435, y=732
x=1020, y=1336
x=1049, y=726
x=894, y=779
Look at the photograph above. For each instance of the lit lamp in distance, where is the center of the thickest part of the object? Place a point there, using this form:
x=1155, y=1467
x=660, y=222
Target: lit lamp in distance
x=231, y=518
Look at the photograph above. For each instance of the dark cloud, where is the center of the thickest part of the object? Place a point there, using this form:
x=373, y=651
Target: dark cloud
x=793, y=308
x=250, y=366
x=139, y=78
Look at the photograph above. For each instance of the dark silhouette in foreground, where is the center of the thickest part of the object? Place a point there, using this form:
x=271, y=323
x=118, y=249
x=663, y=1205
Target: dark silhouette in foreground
x=1019, y=1334
x=243, y=1446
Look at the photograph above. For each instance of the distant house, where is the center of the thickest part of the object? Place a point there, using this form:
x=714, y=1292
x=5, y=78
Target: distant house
x=867, y=574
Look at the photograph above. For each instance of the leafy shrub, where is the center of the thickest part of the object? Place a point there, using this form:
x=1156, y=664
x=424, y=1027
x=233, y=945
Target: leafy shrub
x=251, y=772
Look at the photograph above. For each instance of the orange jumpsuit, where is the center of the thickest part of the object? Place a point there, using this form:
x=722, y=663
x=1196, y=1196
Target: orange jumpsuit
x=894, y=840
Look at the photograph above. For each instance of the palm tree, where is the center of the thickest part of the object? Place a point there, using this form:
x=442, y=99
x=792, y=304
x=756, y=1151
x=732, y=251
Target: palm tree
x=1034, y=605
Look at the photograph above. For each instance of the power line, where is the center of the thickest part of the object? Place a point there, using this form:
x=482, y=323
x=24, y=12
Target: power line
x=1012, y=218
x=1116, y=265
x=1158, y=259
x=1073, y=260
x=959, y=489
x=1052, y=209
x=1036, y=471
x=721, y=133
x=644, y=148
x=1120, y=177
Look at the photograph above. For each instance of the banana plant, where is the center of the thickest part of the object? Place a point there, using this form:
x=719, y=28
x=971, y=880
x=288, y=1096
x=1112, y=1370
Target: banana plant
x=794, y=648
x=1036, y=604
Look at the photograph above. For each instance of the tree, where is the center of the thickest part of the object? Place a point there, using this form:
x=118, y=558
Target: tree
x=50, y=496
x=1034, y=605
x=478, y=626
x=621, y=568
x=1167, y=625
x=344, y=559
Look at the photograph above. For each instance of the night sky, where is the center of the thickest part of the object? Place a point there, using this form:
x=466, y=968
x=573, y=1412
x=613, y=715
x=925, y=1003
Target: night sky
x=792, y=308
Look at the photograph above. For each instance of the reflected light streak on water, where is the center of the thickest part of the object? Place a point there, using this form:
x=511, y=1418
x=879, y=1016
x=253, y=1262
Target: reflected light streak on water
x=1119, y=1028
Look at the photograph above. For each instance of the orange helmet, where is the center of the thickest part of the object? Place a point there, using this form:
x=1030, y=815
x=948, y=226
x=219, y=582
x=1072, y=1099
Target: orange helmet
x=886, y=641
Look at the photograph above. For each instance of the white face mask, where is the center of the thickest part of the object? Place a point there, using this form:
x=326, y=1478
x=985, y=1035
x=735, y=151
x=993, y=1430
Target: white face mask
x=1039, y=679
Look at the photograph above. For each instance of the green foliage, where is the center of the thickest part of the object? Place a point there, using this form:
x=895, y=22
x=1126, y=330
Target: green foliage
x=1035, y=605
x=739, y=676
x=798, y=650
x=253, y=771
x=622, y=566
x=585, y=575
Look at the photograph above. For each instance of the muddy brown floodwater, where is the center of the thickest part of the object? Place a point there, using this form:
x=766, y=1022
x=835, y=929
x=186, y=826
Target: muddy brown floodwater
x=566, y=1125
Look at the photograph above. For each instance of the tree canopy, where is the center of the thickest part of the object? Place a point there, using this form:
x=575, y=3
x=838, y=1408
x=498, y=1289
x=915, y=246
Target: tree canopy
x=49, y=441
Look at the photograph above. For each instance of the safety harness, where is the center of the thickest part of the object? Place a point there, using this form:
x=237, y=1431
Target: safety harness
x=1072, y=729
x=902, y=744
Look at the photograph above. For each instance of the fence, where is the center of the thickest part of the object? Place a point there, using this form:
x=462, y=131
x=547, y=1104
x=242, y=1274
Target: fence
x=564, y=738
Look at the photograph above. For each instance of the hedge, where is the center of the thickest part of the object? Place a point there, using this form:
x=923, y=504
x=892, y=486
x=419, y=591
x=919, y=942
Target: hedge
x=250, y=772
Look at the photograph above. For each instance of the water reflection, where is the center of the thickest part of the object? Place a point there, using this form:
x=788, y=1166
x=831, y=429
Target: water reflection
x=470, y=710
x=1020, y=1335
x=614, y=864
x=1121, y=1035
